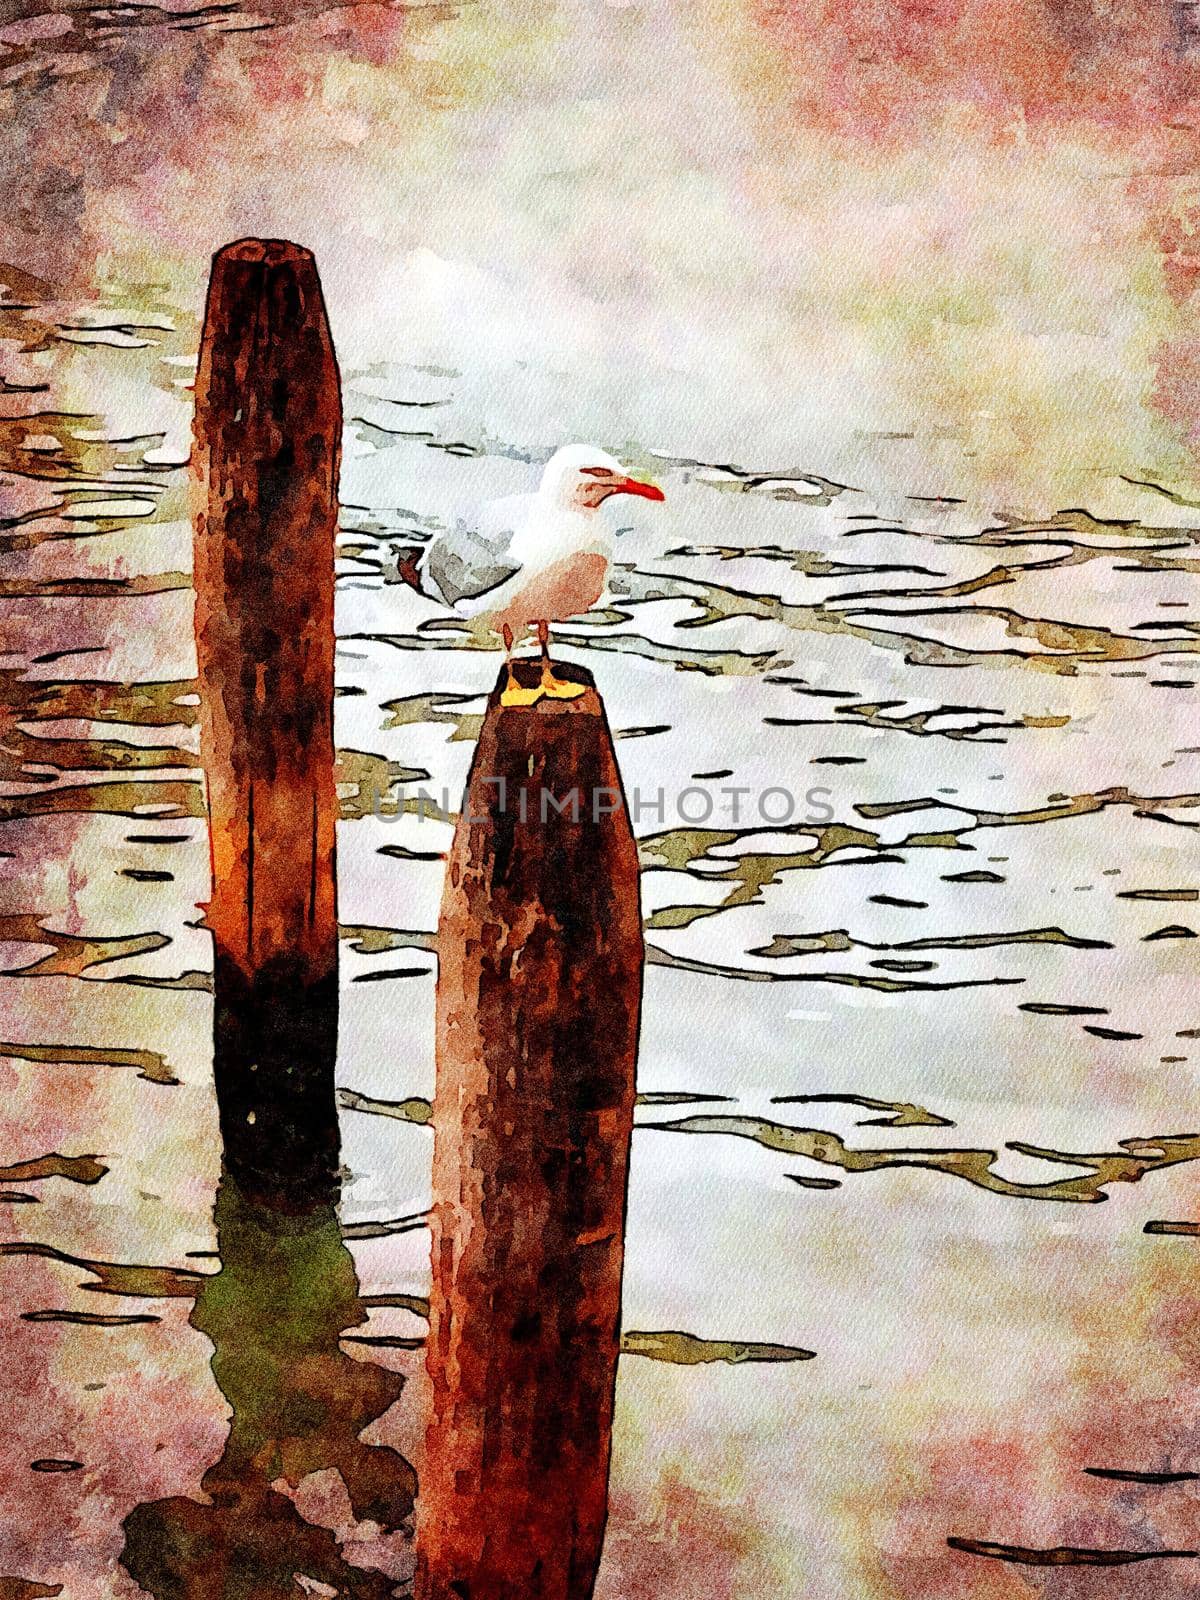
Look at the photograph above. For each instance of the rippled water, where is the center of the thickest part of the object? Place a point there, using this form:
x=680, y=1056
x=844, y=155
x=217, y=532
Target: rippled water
x=897, y=1049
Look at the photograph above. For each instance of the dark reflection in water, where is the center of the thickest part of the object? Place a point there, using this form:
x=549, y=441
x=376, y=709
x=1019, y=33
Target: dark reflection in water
x=285, y=1292
x=275, y=1051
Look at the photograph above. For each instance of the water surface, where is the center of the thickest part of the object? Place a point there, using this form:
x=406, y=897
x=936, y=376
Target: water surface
x=909, y=1250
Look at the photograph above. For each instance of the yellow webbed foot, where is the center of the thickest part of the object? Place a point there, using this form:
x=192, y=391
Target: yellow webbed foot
x=516, y=694
x=559, y=688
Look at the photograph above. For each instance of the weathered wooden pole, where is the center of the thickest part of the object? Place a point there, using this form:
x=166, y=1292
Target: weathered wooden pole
x=265, y=470
x=539, y=995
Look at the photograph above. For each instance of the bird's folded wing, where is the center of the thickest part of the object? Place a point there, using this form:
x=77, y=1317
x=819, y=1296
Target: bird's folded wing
x=472, y=558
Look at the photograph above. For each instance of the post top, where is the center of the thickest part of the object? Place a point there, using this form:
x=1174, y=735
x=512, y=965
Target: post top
x=268, y=252
x=528, y=671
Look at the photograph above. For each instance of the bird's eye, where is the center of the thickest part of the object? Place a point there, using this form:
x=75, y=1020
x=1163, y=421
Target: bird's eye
x=596, y=472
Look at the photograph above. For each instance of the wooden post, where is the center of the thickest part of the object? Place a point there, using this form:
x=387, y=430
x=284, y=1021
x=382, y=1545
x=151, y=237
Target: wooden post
x=265, y=468
x=539, y=995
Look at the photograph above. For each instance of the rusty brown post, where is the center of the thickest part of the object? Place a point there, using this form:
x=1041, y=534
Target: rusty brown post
x=539, y=995
x=265, y=470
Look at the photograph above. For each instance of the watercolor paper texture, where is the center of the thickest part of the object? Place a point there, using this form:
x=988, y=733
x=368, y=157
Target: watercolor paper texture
x=896, y=304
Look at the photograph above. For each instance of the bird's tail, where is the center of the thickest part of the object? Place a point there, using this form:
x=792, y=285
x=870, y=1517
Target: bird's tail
x=408, y=568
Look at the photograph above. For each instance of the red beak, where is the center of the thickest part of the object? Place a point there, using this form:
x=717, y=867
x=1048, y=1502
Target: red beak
x=648, y=491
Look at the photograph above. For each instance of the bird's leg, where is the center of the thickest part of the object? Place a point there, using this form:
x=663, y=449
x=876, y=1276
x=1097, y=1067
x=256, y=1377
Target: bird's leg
x=554, y=688
x=507, y=634
x=514, y=692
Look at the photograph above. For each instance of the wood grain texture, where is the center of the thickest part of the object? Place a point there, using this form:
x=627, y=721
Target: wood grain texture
x=265, y=465
x=538, y=1008
x=265, y=469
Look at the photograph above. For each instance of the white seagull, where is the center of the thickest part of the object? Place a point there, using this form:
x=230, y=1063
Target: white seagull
x=528, y=560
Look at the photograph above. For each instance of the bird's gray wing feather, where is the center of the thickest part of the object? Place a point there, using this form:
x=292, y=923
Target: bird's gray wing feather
x=467, y=561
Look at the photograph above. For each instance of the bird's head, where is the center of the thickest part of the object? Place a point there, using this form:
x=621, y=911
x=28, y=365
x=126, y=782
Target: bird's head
x=579, y=478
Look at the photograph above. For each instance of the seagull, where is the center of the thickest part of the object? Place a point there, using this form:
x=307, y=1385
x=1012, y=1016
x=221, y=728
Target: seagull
x=528, y=560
